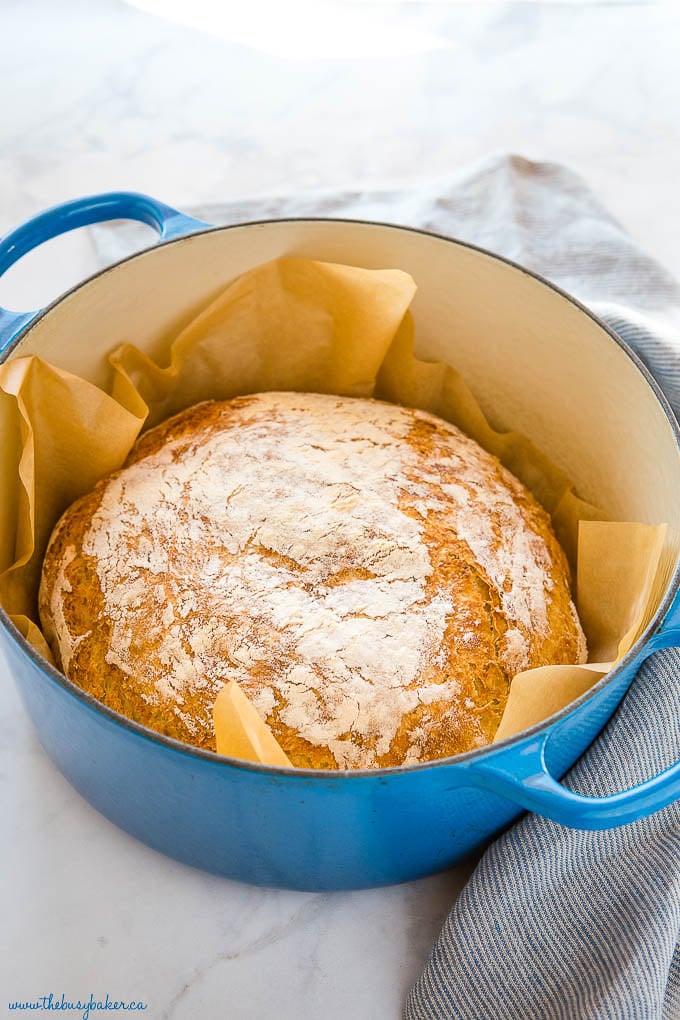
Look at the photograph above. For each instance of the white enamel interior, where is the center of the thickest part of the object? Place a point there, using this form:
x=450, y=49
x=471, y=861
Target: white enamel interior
x=535, y=361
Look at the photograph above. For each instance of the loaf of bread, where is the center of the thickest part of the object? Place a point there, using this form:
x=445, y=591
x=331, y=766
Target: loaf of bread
x=369, y=576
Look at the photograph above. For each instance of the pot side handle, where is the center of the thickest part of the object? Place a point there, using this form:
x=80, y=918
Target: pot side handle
x=521, y=774
x=525, y=779
x=81, y=212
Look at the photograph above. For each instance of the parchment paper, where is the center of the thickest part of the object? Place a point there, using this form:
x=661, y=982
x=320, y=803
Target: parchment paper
x=295, y=324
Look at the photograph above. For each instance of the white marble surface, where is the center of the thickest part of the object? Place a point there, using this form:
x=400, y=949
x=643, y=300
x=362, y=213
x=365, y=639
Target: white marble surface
x=100, y=96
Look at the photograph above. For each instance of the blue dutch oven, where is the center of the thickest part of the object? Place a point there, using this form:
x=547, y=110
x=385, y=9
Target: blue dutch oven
x=538, y=362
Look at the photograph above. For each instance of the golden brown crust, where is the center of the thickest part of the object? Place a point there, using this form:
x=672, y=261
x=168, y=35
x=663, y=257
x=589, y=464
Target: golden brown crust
x=373, y=599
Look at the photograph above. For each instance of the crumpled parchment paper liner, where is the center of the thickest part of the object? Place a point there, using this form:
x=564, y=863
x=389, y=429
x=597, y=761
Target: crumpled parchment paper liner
x=290, y=324
x=300, y=325
x=621, y=579
x=60, y=435
x=240, y=731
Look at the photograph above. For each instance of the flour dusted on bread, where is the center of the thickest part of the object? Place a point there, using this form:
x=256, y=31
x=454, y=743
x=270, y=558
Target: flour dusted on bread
x=368, y=575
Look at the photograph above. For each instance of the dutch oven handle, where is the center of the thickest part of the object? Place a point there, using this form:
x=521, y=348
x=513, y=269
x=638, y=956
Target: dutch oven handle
x=525, y=779
x=81, y=212
x=521, y=774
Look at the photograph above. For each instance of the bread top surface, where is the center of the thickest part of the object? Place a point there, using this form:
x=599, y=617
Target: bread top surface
x=368, y=575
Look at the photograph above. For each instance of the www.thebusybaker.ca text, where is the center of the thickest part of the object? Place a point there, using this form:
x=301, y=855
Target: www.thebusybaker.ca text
x=83, y=1006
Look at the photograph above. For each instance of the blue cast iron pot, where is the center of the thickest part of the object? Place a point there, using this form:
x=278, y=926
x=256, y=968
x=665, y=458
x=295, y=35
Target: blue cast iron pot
x=538, y=362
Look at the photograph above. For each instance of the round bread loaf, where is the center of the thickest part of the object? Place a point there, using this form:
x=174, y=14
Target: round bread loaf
x=368, y=575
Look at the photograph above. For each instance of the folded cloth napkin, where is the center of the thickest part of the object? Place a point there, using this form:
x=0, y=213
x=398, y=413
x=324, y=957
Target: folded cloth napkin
x=553, y=923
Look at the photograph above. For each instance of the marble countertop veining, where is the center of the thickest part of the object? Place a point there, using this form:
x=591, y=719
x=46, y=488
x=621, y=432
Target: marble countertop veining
x=99, y=96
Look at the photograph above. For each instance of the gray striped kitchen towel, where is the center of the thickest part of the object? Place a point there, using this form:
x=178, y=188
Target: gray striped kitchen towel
x=553, y=923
